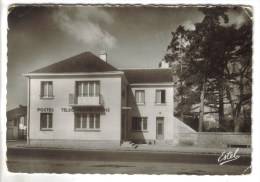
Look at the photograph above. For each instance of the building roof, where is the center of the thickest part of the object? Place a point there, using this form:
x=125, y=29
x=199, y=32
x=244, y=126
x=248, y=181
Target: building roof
x=85, y=62
x=90, y=63
x=148, y=75
x=19, y=111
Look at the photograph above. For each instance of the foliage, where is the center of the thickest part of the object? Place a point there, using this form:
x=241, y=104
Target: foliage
x=212, y=66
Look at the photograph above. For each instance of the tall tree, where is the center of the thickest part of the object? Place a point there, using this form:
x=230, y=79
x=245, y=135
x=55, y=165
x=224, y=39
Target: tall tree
x=238, y=75
x=175, y=56
x=201, y=62
x=205, y=50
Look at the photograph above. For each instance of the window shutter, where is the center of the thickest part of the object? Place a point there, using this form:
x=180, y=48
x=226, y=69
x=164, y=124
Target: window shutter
x=42, y=89
x=77, y=88
x=142, y=96
x=85, y=88
x=50, y=121
x=144, y=123
x=91, y=89
x=139, y=126
x=77, y=120
x=163, y=96
x=97, y=121
x=97, y=93
x=80, y=89
x=45, y=89
x=158, y=96
x=137, y=96
x=91, y=121
x=84, y=121
x=50, y=89
x=41, y=121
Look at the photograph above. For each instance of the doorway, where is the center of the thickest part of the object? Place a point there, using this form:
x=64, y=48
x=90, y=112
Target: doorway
x=159, y=128
x=9, y=133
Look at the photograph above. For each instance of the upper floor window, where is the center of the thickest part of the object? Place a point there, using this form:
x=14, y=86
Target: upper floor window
x=140, y=96
x=22, y=120
x=160, y=97
x=87, y=88
x=46, y=121
x=16, y=121
x=87, y=121
x=139, y=123
x=46, y=89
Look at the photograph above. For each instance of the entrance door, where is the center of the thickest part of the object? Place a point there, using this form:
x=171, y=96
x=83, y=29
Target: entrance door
x=159, y=128
x=9, y=133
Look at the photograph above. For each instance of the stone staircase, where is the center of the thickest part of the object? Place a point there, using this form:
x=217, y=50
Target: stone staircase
x=128, y=145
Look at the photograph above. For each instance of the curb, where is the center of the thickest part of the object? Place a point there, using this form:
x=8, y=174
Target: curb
x=127, y=150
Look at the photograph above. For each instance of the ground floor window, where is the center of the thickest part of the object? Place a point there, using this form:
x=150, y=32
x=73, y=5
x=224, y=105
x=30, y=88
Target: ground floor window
x=46, y=121
x=85, y=121
x=139, y=123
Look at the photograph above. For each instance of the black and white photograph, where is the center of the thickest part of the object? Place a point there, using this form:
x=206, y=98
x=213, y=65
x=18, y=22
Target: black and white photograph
x=129, y=89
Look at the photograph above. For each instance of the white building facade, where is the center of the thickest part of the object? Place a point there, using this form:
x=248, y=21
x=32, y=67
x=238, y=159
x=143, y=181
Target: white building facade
x=86, y=100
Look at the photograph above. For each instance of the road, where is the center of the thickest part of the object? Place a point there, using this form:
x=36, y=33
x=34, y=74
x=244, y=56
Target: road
x=122, y=162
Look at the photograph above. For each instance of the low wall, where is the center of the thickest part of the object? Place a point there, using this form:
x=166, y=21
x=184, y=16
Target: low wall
x=185, y=139
x=214, y=139
x=222, y=139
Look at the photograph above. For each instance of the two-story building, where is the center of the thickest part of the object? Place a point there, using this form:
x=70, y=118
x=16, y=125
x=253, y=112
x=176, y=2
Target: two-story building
x=85, y=99
x=16, y=123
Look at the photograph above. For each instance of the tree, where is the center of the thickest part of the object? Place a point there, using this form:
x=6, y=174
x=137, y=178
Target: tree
x=204, y=62
x=238, y=75
x=177, y=50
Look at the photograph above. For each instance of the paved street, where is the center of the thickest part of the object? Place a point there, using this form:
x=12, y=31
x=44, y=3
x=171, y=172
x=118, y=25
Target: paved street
x=71, y=161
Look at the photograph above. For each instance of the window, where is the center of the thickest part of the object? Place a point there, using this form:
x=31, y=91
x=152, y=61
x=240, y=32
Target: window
x=46, y=89
x=46, y=121
x=160, y=97
x=16, y=121
x=87, y=121
x=22, y=120
x=139, y=96
x=87, y=89
x=139, y=123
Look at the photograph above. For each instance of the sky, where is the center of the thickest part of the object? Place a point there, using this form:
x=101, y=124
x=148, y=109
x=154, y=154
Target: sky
x=133, y=37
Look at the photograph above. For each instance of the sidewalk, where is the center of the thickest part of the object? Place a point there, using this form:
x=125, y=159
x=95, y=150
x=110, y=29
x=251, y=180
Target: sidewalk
x=194, y=149
x=140, y=148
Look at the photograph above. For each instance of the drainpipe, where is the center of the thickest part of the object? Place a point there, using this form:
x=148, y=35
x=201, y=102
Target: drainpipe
x=28, y=110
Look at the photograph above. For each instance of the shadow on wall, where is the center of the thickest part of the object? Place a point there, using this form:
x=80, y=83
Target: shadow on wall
x=136, y=130
x=183, y=134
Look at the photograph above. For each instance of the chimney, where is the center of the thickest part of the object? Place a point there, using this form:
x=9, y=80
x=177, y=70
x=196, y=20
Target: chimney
x=103, y=56
x=164, y=64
